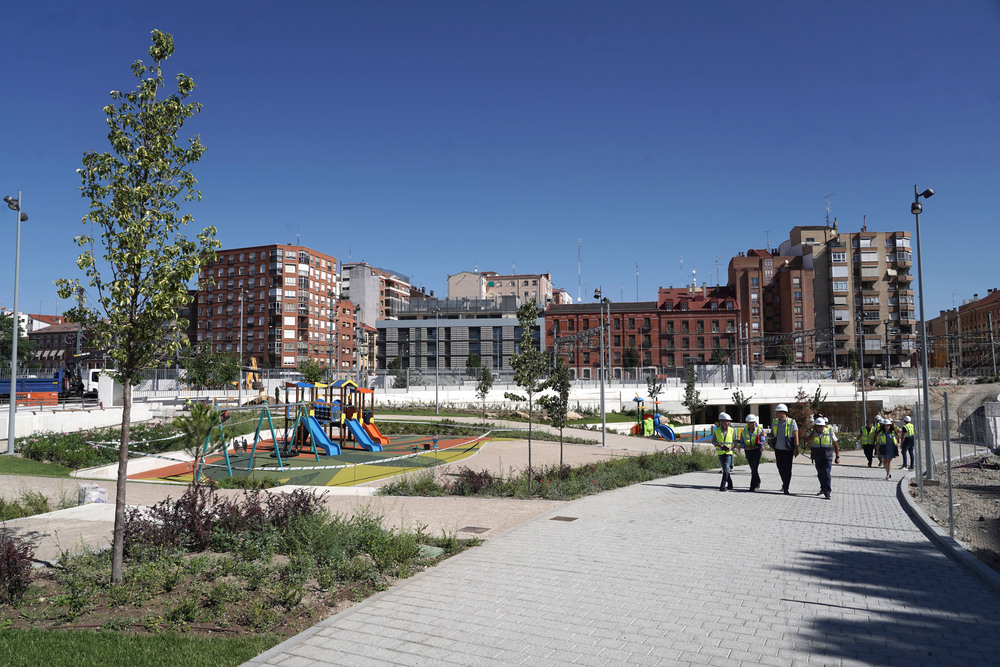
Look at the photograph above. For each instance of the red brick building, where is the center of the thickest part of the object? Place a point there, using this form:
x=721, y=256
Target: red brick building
x=683, y=324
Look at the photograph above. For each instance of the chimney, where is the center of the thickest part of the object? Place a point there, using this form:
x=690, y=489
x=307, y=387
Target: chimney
x=704, y=290
x=975, y=297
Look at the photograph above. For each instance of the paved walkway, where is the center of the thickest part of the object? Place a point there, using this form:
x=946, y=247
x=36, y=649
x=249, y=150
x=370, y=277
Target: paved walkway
x=674, y=572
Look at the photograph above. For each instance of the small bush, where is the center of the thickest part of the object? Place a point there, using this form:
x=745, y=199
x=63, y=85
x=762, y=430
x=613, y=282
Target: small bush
x=422, y=483
x=16, y=556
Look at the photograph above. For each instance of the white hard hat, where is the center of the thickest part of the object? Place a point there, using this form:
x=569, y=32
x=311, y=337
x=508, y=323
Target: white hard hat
x=886, y=421
x=820, y=421
x=907, y=418
x=724, y=417
x=752, y=418
x=781, y=408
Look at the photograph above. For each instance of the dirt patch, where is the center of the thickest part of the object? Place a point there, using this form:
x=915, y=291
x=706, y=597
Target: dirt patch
x=976, y=500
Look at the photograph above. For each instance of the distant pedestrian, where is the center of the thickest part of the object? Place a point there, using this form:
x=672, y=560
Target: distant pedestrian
x=866, y=436
x=824, y=453
x=785, y=441
x=752, y=442
x=908, y=441
x=888, y=445
x=724, y=439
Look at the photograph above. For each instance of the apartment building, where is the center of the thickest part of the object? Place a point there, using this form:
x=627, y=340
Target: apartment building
x=492, y=285
x=862, y=291
x=379, y=293
x=450, y=330
x=964, y=339
x=54, y=347
x=686, y=324
x=283, y=298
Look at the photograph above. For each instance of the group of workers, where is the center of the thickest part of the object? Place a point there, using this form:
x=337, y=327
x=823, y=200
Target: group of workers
x=880, y=435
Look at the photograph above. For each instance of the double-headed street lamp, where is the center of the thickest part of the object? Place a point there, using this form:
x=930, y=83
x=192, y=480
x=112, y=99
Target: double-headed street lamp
x=916, y=208
x=14, y=205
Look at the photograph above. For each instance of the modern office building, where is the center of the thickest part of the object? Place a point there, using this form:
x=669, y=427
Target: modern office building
x=284, y=300
x=432, y=333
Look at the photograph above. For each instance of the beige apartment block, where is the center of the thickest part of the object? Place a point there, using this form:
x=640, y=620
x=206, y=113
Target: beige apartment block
x=492, y=285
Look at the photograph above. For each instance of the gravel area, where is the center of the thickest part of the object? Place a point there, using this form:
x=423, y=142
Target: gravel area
x=976, y=498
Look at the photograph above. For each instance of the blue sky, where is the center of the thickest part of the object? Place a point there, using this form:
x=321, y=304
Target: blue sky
x=430, y=137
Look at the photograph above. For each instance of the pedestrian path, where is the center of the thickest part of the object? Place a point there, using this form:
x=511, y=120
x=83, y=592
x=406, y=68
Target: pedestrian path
x=674, y=572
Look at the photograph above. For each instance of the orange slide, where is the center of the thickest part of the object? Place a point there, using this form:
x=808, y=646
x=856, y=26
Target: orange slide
x=376, y=435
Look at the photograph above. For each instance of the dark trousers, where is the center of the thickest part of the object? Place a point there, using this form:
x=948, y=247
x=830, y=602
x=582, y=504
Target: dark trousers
x=783, y=459
x=869, y=453
x=908, y=450
x=823, y=460
x=753, y=458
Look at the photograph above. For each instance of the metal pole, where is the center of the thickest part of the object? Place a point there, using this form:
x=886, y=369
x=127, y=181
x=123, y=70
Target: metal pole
x=993, y=349
x=887, y=348
x=437, y=358
x=833, y=342
x=15, y=331
x=919, y=456
x=239, y=385
x=947, y=458
x=861, y=359
x=604, y=423
x=923, y=341
x=329, y=296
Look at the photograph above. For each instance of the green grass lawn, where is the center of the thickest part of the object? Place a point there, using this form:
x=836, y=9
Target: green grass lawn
x=81, y=649
x=610, y=417
x=13, y=465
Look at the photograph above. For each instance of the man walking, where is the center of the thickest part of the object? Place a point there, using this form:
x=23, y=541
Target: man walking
x=752, y=442
x=907, y=441
x=825, y=452
x=724, y=439
x=785, y=440
x=866, y=436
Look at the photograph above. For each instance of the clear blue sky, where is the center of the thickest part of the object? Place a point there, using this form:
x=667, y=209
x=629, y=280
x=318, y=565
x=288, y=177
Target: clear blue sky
x=420, y=135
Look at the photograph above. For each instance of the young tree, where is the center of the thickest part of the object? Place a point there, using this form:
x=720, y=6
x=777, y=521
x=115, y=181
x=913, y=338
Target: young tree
x=209, y=369
x=529, y=367
x=142, y=270
x=719, y=355
x=483, y=385
x=800, y=409
x=557, y=407
x=655, y=388
x=24, y=344
x=473, y=364
x=630, y=358
x=786, y=355
x=742, y=403
x=818, y=400
x=399, y=375
x=692, y=398
x=199, y=431
x=312, y=371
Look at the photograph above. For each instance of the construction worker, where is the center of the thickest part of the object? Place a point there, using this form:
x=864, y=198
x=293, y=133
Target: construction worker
x=724, y=439
x=752, y=441
x=825, y=452
x=866, y=436
x=785, y=441
x=888, y=445
x=907, y=441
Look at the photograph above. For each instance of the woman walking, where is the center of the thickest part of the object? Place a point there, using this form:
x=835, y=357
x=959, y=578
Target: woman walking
x=888, y=445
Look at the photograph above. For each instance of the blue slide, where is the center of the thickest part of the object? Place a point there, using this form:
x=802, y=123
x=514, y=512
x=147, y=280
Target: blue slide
x=361, y=437
x=320, y=438
x=665, y=431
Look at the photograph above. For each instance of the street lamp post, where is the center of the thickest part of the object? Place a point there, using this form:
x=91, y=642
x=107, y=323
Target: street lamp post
x=437, y=358
x=861, y=361
x=239, y=385
x=329, y=365
x=604, y=423
x=14, y=205
x=916, y=208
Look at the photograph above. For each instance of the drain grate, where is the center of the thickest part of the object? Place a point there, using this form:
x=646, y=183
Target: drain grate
x=473, y=529
x=563, y=518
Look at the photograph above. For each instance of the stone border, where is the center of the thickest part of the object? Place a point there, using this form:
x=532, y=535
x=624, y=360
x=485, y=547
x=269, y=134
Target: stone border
x=953, y=548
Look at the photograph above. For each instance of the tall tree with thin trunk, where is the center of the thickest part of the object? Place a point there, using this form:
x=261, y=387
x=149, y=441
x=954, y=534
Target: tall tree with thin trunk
x=557, y=407
x=529, y=367
x=692, y=399
x=135, y=257
x=484, y=382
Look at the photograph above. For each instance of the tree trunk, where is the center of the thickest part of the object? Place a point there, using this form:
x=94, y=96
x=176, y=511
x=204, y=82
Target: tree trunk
x=560, y=447
x=530, y=417
x=118, y=544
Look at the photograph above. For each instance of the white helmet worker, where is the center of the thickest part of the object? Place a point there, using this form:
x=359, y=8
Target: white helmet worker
x=781, y=407
x=907, y=419
x=820, y=421
x=751, y=419
x=724, y=417
x=886, y=421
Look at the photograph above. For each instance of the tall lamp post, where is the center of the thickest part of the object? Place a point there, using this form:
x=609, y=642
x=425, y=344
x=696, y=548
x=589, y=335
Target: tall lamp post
x=239, y=385
x=604, y=423
x=916, y=208
x=14, y=205
x=437, y=358
x=861, y=361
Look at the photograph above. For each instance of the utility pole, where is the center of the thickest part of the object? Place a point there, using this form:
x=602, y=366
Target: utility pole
x=993, y=349
x=239, y=385
x=887, y=348
x=861, y=362
x=329, y=296
x=598, y=294
x=833, y=342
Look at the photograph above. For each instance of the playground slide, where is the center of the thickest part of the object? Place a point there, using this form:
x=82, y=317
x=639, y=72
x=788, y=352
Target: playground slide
x=361, y=437
x=665, y=432
x=376, y=435
x=322, y=440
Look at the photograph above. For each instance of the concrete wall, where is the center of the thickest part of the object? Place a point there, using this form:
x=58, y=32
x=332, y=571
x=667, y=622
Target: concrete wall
x=34, y=421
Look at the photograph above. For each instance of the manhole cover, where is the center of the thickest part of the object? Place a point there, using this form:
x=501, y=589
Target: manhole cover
x=473, y=529
x=563, y=518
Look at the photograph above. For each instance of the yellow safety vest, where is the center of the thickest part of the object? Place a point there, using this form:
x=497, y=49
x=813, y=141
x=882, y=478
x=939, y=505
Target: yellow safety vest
x=824, y=439
x=886, y=438
x=867, y=435
x=908, y=427
x=751, y=439
x=723, y=441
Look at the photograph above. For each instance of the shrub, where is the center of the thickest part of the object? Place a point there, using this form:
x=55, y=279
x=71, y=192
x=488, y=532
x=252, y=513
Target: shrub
x=16, y=556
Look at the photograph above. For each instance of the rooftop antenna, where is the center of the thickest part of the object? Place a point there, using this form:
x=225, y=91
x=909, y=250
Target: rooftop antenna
x=349, y=250
x=767, y=239
x=513, y=271
x=716, y=270
x=694, y=278
x=579, y=253
x=827, y=198
x=864, y=223
x=297, y=235
x=621, y=291
x=477, y=263
x=636, y=282
x=682, y=269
